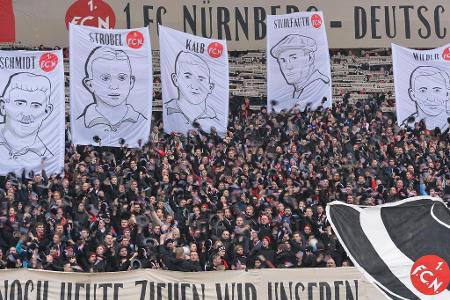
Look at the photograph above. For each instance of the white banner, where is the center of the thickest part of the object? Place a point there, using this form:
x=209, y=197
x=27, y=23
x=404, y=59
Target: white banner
x=265, y=284
x=422, y=86
x=298, y=62
x=194, y=79
x=31, y=112
x=110, y=86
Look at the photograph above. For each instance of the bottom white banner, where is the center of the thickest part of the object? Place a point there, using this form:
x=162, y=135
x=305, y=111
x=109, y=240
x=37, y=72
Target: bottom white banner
x=292, y=284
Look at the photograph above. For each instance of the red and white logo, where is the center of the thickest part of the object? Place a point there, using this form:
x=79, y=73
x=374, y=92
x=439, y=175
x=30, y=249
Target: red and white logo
x=48, y=62
x=316, y=20
x=430, y=275
x=446, y=54
x=215, y=49
x=95, y=13
x=135, y=39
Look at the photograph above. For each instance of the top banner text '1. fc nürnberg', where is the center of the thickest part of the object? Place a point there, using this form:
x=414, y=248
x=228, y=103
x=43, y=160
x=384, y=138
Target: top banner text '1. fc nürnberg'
x=350, y=23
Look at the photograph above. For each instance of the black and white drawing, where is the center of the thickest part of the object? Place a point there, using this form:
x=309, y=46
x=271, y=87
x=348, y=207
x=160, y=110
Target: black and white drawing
x=295, y=55
x=422, y=87
x=429, y=89
x=109, y=79
x=298, y=63
x=194, y=82
x=24, y=104
x=192, y=78
x=111, y=86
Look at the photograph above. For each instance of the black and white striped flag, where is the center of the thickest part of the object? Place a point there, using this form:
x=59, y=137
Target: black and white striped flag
x=403, y=248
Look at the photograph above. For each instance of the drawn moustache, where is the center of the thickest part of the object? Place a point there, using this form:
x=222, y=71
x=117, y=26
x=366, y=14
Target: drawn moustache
x=25, y=119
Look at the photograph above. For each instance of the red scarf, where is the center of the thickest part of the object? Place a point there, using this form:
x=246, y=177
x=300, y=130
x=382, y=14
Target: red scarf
x=12, y=218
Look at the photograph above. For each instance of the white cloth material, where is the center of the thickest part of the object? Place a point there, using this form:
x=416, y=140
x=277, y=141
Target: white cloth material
x=31, y=112
x=195, y=82
x=110, y=86
x=298, y=62
x=422, y=86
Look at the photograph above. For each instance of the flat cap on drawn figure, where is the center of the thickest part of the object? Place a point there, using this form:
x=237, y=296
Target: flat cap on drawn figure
x=294, y=41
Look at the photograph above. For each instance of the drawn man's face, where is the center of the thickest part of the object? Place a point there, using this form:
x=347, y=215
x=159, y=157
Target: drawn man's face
x=193, y=82
x=111, y=81
x=431, y=94
x=25, y=111
x=295, y=65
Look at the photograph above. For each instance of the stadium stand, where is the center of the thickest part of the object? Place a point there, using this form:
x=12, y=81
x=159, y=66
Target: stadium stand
x=254, y=199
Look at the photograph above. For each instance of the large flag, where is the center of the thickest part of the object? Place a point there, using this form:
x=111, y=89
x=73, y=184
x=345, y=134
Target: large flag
x=194, y=78
x=110, y=86
x=422, y=86
x=298, y=62
x=31, y=112
x=403, y=248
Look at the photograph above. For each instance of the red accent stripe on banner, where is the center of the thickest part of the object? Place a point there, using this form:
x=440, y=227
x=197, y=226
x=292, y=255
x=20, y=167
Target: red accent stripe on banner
x=7, y=22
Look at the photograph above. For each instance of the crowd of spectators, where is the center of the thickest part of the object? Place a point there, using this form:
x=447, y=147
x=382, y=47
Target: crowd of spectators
x=254, y=198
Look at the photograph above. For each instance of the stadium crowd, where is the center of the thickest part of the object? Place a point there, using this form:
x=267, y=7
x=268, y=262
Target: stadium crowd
x=254, y=198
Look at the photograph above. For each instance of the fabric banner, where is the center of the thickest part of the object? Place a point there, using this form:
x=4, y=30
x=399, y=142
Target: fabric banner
x=422, y=86
x=295, y=284
x=194, y=81
x=110, y=86
x=403, y=248
x=31, y=112
x=298, y=62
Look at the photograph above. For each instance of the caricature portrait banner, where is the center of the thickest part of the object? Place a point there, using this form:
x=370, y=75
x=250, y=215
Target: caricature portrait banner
x=31, y=112
x=110, y=86
x=422, y=86
x=298, y=62
x=194, y=78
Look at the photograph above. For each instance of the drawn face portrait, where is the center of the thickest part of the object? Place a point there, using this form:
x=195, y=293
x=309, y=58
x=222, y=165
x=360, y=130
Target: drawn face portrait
x=430, y=93
x=193, y=82
x=111, y=81
x=25, y=111
x=295, y=65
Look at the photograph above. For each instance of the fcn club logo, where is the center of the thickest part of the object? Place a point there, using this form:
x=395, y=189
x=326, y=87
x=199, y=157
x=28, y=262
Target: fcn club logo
x=430, y=275
x=215, y=50
x=48, y=62
x=316, y=21
x=135, y=39
x=95, y=13
x=446, y=54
